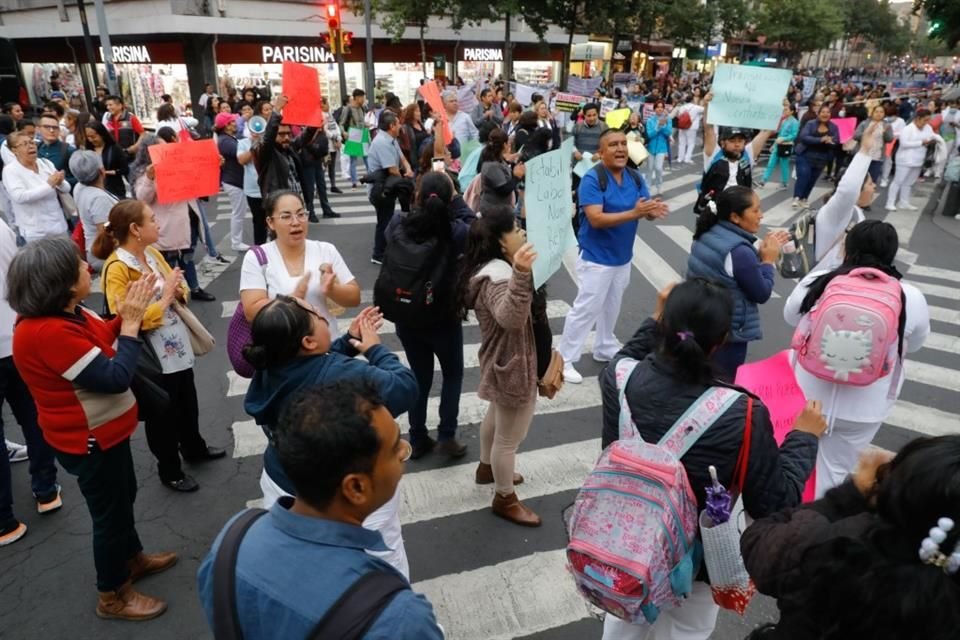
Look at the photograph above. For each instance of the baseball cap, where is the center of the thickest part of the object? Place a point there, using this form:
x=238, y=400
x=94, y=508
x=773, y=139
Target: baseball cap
x=223, y=119
x=727, y=133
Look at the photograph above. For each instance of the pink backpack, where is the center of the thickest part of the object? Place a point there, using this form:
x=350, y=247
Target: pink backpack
x=852, y=335
x=633, y=547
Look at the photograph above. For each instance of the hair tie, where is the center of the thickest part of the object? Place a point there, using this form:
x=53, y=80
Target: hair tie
x=683, y=335
x=432, y=195
x=930, y=548
x=106, y=225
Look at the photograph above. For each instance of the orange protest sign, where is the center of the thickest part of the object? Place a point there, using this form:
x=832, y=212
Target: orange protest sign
x=186, y=170
x=431, y=93
x=301, y=85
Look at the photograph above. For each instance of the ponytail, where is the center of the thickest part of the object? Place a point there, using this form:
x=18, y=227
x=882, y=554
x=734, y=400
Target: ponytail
x=695, y=321
x=117, y=228
x=104, y=244
x=732, y=200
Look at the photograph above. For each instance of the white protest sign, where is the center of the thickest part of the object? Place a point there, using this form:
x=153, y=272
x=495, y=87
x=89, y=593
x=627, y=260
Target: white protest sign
x=748, y=97
x=548, y=202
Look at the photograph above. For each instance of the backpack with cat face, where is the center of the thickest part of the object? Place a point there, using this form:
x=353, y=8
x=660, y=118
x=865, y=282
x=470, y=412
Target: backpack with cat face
x=854, y=334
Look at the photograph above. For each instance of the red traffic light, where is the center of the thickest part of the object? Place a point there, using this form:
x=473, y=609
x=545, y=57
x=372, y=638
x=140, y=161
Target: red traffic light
x=333, y=15
x=346, y=39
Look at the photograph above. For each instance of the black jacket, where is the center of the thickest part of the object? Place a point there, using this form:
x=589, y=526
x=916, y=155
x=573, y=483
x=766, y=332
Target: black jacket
x=272, y=162
x=312, y=145
x=775, y=477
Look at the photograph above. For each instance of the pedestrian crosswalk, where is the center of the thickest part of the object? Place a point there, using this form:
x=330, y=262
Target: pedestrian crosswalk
x=491, y=580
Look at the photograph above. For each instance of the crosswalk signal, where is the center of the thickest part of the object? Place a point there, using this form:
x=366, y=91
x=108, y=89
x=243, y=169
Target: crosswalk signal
x=346, y=40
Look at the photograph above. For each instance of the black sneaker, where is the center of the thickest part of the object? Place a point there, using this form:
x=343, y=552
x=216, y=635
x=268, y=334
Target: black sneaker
x=210, y=453
x=186, y=484
x=332, y=214
x=12, y=532
x=336, y=190
x=422, y=447
x=202, y=296
x=313, y=218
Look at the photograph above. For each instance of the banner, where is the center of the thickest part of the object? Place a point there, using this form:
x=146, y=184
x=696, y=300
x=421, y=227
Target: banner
x=569, y=102
x=358, y=142
x=186, y=170
x=846, y=126
x=584, y=86
x=548, y=201
x=301, y=85
x=748, y=97
x=523, y=93
x=774, y=382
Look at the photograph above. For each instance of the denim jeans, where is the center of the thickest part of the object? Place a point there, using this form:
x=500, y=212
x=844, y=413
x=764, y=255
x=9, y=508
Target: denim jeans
x=211, y=246
x=43, y=469
x=875, y=170
x=384, y=214
x=353, y=168
x=109, y=485
x=807, y=176
x=446, y=342
x=184, y=260
x=313, y=180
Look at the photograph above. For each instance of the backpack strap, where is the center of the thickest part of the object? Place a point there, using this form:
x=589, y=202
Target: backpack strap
x=226, y=623
x=602, y=178
x=743, y=459
x=698, y=417
x=624, y=370
x=260, y=253
x=352, y=615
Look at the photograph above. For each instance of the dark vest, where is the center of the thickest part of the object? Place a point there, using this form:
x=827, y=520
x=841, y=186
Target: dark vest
x=707, y=257
x=715, y=178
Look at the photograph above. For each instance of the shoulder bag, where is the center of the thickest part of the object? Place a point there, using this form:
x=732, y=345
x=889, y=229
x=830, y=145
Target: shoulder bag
x=238, y=333
x=201, y=340
x=349, y=618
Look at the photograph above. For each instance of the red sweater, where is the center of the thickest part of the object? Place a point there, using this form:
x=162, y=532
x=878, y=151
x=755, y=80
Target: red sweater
x=49, y=353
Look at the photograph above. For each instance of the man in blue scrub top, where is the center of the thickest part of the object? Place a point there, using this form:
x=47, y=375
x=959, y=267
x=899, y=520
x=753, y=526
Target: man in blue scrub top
x=613, y=199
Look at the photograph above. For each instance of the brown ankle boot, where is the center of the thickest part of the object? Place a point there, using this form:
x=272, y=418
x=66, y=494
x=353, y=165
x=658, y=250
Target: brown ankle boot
x=485, y=475
x=127, y=604
x=510, y=508
x=145, y=564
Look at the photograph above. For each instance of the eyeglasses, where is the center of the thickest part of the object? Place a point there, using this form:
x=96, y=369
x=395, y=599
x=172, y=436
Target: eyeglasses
x=288, y=217
x=28, y=143
x=50, y=127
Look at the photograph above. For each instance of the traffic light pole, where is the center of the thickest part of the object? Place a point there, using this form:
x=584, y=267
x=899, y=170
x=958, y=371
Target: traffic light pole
x=343, y=77
x=368, y=41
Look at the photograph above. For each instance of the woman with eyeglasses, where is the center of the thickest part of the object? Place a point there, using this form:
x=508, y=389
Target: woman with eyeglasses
x=293, y=347
x=33, y=185
x=291, y=264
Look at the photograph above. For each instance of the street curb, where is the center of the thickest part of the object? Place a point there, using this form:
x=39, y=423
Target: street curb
x=935, y=205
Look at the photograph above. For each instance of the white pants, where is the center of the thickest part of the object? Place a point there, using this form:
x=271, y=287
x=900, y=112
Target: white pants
x=344, y=166
x=687, y=141
x=840, y=449
x=902, y=185
x=598, y=303
x=386, y=520
x=238, y=212
x=695, y=619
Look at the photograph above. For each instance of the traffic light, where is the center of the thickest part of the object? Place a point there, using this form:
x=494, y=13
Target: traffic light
x=325, y=40
x=333, y=15
x=346, y=39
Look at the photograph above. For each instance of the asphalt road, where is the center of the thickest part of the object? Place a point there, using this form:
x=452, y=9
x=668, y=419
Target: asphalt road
x=487, y=579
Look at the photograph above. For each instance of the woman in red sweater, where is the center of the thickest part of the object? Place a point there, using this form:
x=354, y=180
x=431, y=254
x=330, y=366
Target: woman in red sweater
x=79, y=368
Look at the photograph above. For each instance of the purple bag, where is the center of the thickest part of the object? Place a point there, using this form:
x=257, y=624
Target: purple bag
x=238, y=333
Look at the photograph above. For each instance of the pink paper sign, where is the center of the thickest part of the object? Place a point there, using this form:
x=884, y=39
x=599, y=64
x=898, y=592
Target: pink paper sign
x=774, y=382
x=846, y=126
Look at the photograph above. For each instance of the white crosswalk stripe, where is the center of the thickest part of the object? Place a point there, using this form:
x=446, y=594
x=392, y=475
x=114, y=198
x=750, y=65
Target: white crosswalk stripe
x=526, y=592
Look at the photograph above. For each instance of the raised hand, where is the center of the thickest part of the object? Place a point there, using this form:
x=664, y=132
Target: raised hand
x=524, y=257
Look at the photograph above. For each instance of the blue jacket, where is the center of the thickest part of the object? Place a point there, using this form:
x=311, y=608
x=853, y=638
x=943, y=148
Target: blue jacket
x=270, y=388
x=789, y=130
x=707, y=258
x=658, y=136
x=810, y=146
x=58, y=154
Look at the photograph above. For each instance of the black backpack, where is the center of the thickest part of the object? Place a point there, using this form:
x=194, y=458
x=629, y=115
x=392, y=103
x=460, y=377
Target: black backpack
x=413, y=288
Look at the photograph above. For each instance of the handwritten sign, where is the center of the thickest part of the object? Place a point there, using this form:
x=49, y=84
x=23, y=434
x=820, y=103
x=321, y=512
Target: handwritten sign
x=748, y=97
x=607, y=105
x=301, y=85
x=586, y=163
x=617, y=117
x=186, y=170
x=431, y=93
x=774, y=382
x=548, y=201
x=846, y=126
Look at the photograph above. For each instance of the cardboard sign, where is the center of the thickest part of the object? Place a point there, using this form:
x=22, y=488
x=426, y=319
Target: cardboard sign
x=186, y=170
x=568, y=102
x=846, y=126
x=774, y=382
x=301, y=85
x=617, y=117
x=548, y=201
x=748, y=97
x=431, y=93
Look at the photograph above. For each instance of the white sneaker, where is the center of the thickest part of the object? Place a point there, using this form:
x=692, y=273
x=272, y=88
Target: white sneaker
x=884, y=184
x=907, y=206
x=16, y=452
x=570, y=374
x=795, y=203
x=240, y=247
x=890, y=207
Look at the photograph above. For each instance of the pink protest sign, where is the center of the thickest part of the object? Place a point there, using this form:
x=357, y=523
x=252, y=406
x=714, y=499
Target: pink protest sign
x=846, y=126
x=774, y=382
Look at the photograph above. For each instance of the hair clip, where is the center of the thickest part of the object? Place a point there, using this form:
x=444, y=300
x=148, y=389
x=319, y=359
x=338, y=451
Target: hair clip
x=930, y=548
x=712, y=206
x=432, y=194
x=683, y=335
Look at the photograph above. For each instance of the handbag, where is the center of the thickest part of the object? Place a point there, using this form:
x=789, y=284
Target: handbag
x=730, y=583
x=238, y=332
x=69, y=206
x=201, y=340
x=147, y=384
x=784, y=149
x=552, y=380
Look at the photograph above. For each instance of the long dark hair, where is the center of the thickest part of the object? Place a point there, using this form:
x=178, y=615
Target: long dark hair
x=694, y=322
x=276, y=333
x=496, y=142
x=430, y=218
x=920, y=486
x=102, y=131
x=483, y=245
x=732, y=200
x=871, y=243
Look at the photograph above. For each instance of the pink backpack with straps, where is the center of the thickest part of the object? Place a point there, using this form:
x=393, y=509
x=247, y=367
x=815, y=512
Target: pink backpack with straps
x=238, y=332
x=852, y=335
x=633, y=547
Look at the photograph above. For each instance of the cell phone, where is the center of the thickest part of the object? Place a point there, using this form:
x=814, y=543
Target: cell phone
x=438, y=164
